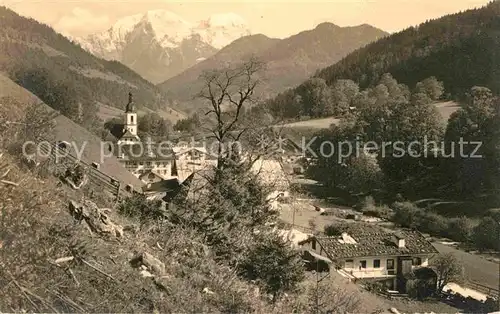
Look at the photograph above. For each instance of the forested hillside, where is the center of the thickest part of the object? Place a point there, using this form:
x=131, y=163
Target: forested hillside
x=461, y=50
x=288, y=61
x=395, y=147
x=62, y=74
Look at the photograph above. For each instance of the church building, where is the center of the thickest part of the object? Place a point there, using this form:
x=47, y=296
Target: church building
x=130, y=127
x=147, y=161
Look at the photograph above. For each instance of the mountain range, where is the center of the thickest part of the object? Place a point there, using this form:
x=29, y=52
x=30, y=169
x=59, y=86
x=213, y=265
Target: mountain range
x=160, y=44
x=47, y=63
x=461, y=50
x=288, y=61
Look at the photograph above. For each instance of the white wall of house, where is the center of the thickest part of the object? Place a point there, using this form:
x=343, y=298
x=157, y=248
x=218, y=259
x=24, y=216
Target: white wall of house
x=371, y=269
x=377, y=266
x=128, y=141
x=373, y=266
x=191, y=160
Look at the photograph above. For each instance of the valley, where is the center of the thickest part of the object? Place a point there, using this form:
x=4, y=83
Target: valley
x=152, y=160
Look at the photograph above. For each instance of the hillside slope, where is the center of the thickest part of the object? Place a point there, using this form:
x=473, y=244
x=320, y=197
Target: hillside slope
x=459, y=49
x=288, y=61
x=15, y=100
x=33, y=52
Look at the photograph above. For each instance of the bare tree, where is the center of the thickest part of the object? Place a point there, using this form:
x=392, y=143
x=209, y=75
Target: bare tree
x=448, y=269
x=230, y=92
x=329, y=295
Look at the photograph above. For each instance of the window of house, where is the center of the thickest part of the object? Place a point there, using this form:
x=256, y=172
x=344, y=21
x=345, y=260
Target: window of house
x=148, y=164
x=141, y=163
x=417, y=261
x=349, y=263
x=376, y=263
x=390, y=264
x=362, y=264
x=132, y=119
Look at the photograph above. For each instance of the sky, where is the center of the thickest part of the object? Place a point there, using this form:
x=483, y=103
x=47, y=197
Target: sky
x=279, y=19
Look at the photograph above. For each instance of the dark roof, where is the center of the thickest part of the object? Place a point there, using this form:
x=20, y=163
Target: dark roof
x=117, y=130
x=130, y=105
x=163, y=186
x=150, y=174
x=376, y=244
x=128, y=134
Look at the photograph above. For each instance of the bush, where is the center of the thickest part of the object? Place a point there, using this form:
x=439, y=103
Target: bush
x=485, y=234
x=273, y=263
x=408, y=215
x=140, y=207
x=460, y=229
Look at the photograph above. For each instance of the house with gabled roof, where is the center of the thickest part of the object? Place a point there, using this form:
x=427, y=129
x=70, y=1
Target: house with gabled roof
x=368, y=255
x=149, y=162
x=151, y=176
x=190, y=159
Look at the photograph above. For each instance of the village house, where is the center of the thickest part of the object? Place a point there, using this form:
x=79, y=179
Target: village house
x=154, y=162
x=190, y=159
x=150, y=162
x=385, y=257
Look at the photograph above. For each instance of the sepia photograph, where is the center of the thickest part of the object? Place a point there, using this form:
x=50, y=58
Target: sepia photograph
x=241, y=156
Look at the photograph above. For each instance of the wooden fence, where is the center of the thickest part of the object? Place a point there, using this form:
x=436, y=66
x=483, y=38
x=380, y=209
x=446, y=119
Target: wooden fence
x=98, y=179
x=492, y=292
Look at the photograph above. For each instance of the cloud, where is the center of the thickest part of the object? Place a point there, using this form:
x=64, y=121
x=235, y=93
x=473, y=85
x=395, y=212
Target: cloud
x=81, y=21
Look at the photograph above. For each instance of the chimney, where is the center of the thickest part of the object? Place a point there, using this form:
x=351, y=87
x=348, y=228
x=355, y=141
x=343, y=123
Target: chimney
x=347, y=239
x=399, y=240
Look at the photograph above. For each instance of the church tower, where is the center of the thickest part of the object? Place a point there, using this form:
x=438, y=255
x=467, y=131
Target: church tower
x=130, y=116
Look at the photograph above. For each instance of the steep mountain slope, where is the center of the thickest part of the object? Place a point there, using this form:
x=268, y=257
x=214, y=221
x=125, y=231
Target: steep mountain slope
x=15, y=100
x=184, y=86
x=459, y=49
x=160, y=44
x=33, y=52
x=288, y=61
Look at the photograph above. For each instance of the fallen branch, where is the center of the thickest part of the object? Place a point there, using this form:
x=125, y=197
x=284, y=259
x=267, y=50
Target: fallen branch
x=9, y=182
x=22, y=290
x=40, y=299
x=26, y=291
x=5, y=174
x=65, y=298
x=64, y=259
x=97, y=269
x=74, y=277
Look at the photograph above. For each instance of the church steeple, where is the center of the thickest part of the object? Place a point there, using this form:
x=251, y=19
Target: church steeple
x=130, y=116
x=130, y=104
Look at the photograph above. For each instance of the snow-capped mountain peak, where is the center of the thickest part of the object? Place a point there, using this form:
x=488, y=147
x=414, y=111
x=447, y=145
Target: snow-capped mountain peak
x=164, y=37
x=169, y=28
x=226, y=20
x=219, y=30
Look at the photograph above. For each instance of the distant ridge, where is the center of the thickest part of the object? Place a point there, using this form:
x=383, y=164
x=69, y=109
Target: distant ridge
x=289, y=61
